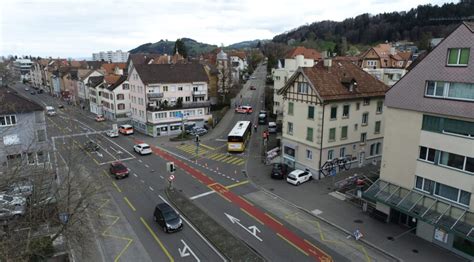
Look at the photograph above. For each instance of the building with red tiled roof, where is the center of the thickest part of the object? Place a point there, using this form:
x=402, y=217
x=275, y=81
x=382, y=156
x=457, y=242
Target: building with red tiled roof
x=113, y=68
x=306, y=52
x=331, y=110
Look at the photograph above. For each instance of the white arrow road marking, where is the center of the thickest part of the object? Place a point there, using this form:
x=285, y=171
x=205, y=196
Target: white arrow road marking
x=186, y=251
x=253, y=230
x=100, y=154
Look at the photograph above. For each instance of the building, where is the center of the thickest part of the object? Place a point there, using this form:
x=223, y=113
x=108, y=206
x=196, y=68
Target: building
x=115, y=98
x=332, y=110
x=95, y=85
x=427, y=171
x=163, y=96
x=22, y=68
x=23, y=132
x=111, y=56
x=386, y=63
x=297, y=57
x=224, y=77
x=83, y=88
x=238, y=60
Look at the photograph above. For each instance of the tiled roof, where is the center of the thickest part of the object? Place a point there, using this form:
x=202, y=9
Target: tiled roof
x=239, y=54
x=13, y=103
x=111, y=79
x=142, y=58
x=382, y=50
x=332, y=83
x=306, y=52
x=470, y=25
x=94, y=64
x=172, y=73
x=119, y=81
x=95, y=80
x=109, y=67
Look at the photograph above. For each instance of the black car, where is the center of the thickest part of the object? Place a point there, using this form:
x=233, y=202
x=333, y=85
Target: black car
x=167, y=218
x=279, y=171
x=33, y=92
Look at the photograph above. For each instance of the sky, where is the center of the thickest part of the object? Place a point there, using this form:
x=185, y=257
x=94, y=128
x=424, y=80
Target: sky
x=78, y=28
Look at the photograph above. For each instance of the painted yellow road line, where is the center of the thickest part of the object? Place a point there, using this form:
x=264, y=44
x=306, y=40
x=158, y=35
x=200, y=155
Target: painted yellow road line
x=295, y=246
x=105, y=233
x=117, y=187
x=317, y=248
x=235, y=160
x=241, y=162
x=215, y=156
x=123, y=250
x=208, y=147
x=237, y=184
x=157, y=240
x=220, y=157
x=252, y=216
x=274, y=219
x=245, y=200
x=129, y=203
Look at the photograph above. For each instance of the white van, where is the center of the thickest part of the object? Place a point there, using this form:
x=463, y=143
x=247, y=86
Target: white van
x=50, y=111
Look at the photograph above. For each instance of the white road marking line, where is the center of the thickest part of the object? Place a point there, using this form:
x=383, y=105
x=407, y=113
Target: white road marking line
x=151, y=188
x=201, y=195
x=108, y=162
x=147, y=166
x=135, y=175
x=141, y=180
x=139, y=160
x=162, y=177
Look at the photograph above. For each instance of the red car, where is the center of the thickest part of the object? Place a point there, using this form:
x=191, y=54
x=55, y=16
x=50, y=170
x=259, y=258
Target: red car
x=99, y=118
x=244, y=109
x=119, y=170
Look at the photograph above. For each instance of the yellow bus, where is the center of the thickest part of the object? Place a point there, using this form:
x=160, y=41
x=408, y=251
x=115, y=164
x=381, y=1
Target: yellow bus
x=238, y=136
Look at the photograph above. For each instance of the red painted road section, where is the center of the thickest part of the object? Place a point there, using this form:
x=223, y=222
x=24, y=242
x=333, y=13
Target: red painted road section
x=305, y=246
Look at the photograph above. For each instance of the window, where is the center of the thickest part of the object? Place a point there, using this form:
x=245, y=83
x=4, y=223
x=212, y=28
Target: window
x=309, y=154
x=371, y=63
x=372, y=149
x=355, y=127
x=125, y=87
x=165, y=88
x=424, y=184
x=366, y=101
x=357, y=106
x=333, y=112
x=41, y=157
x=290, y=108
x=290, y=128
x=9, y=120
x=446, y=191
x=120, y=96
x=452, y=160
x=427, y=154
x=446, y=125
x=378, y=149
x=451, y=90
x=344, y=132
x=330, y=154
x=458, y=56
x=311, y=112
x=379, y=107
x=365, y=119
x=187, y=99
x=180, y=88
x=41, y=135
x=469, y=164
x=342, y=152
x=363, y=137
x=31, y=159
x=332, y=134
x=345, y=111
x=309, y=134
x=195, y=88
x=120, y=106
x=377, y=127
x=302, y=87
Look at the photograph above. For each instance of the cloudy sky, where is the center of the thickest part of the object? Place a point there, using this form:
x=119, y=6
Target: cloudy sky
x=77, y=28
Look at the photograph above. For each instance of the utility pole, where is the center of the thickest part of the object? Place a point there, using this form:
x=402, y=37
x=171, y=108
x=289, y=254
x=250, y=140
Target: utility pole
x=196, y=139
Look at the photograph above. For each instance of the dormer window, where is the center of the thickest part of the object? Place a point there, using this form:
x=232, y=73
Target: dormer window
x=458, y=56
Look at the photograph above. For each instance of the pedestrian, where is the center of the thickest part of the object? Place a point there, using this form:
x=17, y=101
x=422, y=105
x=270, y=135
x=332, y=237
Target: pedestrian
x=255, y=127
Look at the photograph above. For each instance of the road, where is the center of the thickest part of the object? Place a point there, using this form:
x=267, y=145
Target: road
x=213, y=180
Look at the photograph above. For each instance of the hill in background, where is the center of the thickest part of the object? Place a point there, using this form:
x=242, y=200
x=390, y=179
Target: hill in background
x=193, y=47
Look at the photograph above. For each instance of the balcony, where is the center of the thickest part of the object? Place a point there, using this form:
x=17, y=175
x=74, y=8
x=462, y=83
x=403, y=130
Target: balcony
x=154, y=96
x=162, y=107
x=199, y=93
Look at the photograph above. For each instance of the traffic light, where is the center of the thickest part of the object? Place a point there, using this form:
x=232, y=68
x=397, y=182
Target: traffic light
x=170, y=167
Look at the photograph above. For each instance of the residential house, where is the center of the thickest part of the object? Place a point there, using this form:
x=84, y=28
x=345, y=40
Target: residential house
x=224, y=77
x=427, y=172
x=385, y=63
x=82, y=87
x=238, y=60
x=163, y=96
x=212, y=74
x=295, y=58
x=23, y=131
x=68, y=84
x=95, y=84
x=22, y=68
x=113, y=68
x=332, y=110
x=115, y=98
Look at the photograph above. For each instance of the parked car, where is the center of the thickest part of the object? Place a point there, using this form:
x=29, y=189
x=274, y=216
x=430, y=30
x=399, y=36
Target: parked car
x=167, y=218
x=10, y=201
x=33, y=92
x=27, y=89
x=244, y=110
x=126, y=130
x=262, y=118
x=12, y=212
x=99, y=118
x=22, y=188
x=253, y=77
x=142, y=149
x=50, y=111
x=61, y=106
x=91, y=146
x=112, y=133
x=40, y=91
x=44, y=200
x=279, y=171
x=272, y=127
x=253, y=88
x=298, y=177
x=119, y=170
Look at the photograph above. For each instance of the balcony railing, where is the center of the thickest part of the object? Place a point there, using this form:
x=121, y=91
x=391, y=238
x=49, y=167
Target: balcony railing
x=154, y=96
x=199, y=93
x=162, y=107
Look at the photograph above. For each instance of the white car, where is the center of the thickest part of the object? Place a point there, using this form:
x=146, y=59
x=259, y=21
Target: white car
x=112, y=133
x=142, y=149
x=10, y=201
x=298, y=177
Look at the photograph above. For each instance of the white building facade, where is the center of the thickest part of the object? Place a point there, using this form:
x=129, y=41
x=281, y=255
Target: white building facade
x=111, y=56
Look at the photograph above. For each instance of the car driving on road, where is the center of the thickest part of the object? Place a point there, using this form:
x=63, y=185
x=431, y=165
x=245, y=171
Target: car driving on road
x=119, y=170
x=112, y=133
x=126, y=130
x=168, y=219
x=244, y=110
x=142, y=149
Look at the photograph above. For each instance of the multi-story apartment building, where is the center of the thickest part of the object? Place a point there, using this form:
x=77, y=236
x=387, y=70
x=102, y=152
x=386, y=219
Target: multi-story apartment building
x=111, y=56
x=23, y=133
x=427, y=170
x=115, y=98
x=82, y=88
x=163, y=96
x=22, y=68
x=95, y=85
x=333, y=109
x=297, y=57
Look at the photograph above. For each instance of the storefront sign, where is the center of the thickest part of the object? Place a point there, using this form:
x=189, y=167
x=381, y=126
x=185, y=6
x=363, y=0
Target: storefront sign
x=441, y=235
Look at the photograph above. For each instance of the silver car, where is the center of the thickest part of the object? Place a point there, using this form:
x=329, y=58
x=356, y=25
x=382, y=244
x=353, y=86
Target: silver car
x=11, y=213
x=23, y=188
x=10, y=201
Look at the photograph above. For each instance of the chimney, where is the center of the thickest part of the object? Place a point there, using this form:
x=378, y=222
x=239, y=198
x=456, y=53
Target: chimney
x=327, y=62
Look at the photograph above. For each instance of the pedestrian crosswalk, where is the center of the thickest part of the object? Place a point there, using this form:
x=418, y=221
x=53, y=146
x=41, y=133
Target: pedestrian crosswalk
x=210, y=154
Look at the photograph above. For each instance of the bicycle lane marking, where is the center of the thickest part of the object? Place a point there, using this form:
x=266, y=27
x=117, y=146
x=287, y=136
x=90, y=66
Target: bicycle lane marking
x=278, y=228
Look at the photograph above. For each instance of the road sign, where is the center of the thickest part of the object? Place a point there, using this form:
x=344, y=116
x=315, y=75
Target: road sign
x=171, y=177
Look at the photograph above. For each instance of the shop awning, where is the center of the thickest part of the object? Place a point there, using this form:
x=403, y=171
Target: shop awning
x=432, y=210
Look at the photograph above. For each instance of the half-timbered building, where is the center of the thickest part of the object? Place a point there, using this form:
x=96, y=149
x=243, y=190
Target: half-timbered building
x=333, y=109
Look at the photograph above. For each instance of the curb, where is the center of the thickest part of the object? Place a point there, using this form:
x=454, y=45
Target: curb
x=326, y=221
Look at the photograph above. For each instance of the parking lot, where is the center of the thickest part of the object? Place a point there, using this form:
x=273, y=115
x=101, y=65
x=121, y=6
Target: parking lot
x=100, y=148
